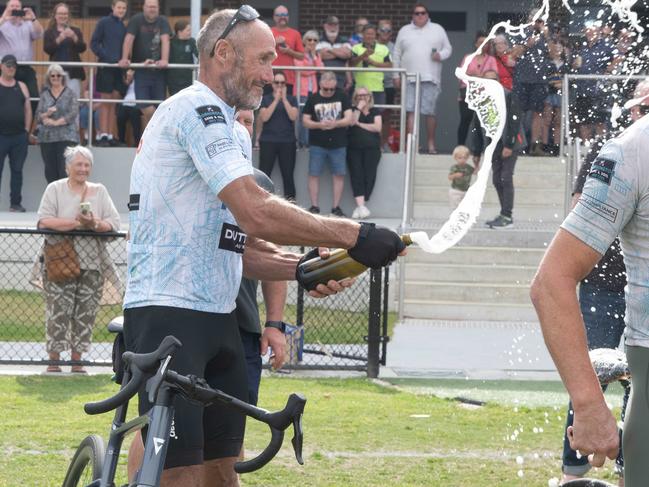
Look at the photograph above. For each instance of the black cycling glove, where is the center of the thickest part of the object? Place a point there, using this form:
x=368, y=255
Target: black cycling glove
x=376, y=246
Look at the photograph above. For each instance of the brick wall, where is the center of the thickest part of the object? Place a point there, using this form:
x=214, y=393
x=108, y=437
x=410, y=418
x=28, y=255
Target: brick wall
x=313, y=12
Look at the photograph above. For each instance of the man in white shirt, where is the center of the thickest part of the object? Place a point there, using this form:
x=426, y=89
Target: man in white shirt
x=421, y=46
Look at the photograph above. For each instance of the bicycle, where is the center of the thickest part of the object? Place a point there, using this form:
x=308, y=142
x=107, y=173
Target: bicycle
x=611, y=366
x=93, y=465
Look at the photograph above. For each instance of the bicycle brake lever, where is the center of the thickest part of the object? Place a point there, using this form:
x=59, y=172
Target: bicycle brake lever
x=154, y=383
x=298, y=438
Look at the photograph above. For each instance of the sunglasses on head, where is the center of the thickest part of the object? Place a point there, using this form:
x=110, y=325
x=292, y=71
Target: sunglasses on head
x=245, y=14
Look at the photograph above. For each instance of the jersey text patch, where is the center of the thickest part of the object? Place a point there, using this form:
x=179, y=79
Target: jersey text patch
x=603, y=170
x=210, y=114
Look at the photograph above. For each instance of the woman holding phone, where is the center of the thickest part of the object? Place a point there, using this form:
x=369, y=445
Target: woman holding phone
x=71, y=306
x=64, y=42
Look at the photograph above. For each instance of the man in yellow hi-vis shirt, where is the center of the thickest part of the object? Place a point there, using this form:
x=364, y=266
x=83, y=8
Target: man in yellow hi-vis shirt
x=371, y=54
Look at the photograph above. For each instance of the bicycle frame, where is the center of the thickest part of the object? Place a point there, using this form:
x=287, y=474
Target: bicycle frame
x=162, y=388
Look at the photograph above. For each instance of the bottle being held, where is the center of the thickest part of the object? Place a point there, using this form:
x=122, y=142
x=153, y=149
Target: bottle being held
x=342, y=264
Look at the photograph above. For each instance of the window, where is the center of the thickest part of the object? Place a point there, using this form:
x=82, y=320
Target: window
x=451, y=21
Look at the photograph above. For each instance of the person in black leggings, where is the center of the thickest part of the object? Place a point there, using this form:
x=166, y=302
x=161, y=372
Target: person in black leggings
x=278, y=113
x=364, y=149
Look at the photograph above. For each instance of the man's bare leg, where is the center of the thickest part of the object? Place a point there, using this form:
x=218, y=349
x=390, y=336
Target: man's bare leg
x=220, y=473
x=431, y=127
x=410, y=120
x=338, y=185
x=314, y=189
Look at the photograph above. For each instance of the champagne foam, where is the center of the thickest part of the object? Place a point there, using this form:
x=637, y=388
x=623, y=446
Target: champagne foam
x=487, y=98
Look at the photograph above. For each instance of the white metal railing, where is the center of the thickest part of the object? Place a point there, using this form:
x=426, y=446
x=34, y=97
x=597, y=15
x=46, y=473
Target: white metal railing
x=570, y=146
x=403, y=75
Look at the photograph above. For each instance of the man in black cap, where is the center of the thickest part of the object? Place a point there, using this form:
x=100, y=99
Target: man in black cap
x=15, y=121
x=334, y=49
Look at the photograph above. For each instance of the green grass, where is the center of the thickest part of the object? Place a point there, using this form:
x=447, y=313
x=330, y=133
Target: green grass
x=22, y=318
x=357, y=433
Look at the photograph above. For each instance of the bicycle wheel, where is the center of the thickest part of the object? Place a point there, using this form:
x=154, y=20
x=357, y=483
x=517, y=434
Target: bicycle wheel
x=87, y=463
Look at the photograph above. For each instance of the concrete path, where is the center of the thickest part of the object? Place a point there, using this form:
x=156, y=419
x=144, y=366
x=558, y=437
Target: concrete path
x=472, y=350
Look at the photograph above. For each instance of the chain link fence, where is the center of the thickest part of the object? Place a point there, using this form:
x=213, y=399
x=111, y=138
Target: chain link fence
x=38, y=315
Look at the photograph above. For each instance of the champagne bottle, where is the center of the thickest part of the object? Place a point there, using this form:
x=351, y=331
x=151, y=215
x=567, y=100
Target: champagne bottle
x=338, y=266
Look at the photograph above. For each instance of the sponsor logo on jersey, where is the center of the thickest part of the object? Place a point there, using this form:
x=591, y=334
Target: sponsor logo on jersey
x=210, y=114
x=218, y=146
x=599, y=207
x=603, y=170
x=232, y=238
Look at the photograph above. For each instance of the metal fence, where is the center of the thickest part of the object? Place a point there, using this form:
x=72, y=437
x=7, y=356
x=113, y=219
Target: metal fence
x=611, y=92
x=343, y=332
x=92, y=67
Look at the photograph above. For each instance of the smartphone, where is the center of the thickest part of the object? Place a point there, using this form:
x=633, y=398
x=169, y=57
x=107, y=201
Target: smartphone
x=17, y=13
x=85, y=207
x=433, y=50
x=283, y=45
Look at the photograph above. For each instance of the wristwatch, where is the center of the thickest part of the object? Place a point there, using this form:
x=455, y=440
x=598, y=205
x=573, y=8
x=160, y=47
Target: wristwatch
x=279, y=325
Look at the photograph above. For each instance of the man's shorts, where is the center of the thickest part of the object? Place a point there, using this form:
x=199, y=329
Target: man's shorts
x=150, y=84
x=428, y=96
x=109, y=80
x=211, y=349
x=318, y=157
x=554, y=100
x=531, y=96
x=251, y=347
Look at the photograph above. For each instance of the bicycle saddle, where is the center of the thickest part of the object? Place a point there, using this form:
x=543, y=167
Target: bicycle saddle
x=116, y=325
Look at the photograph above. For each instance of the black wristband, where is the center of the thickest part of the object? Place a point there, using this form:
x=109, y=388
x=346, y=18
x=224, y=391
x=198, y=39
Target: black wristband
x=279, y=325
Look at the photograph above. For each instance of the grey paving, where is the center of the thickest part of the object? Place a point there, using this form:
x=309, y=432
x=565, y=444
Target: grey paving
x=472, y=350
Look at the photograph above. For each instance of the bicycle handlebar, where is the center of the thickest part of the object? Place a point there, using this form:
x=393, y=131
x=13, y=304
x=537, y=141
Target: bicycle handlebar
x=277, y=421
x=143, y=366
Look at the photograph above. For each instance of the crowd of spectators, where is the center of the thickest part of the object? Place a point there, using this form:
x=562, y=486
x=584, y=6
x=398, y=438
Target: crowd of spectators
x=531, y=67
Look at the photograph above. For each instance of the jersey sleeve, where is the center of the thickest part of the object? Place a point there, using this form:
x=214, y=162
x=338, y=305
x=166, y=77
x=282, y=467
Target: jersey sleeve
x=608, y=200
x=209, y=141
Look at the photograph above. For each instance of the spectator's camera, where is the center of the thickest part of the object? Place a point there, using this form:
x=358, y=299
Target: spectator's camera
x=85, y=207
x=17, y=13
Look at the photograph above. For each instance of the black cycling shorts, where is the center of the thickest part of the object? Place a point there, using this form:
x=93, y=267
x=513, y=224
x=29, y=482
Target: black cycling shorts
x=211, y=349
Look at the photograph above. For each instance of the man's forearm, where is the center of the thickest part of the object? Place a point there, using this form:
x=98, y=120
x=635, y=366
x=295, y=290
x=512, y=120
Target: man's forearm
x=565, y=338
x=275, y=298
x=264, y=261
x=286, y=224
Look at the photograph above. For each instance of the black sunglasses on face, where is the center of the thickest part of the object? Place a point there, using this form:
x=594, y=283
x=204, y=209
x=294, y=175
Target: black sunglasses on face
x=420, y=12
x=245, y=14
x=328, y=90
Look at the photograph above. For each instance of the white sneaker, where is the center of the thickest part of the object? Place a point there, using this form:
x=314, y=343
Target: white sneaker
x=364, y=211
x=356, y=214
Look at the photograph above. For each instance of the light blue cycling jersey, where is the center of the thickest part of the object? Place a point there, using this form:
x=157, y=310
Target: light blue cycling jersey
x=615, y=201
x=185, y=247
